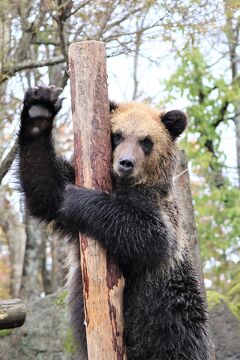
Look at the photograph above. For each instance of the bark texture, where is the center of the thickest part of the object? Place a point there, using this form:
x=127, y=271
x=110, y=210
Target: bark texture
x=16, y=238
x=184, y=196
x=32, y=280
x=103, y=284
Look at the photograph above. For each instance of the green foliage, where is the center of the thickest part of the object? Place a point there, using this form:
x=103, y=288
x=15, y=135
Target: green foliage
x=210, y=102
x=231, y=299
x=234, y=299
x=68, y=344
x=5, y=332
x=214, y=298
x=61, y=299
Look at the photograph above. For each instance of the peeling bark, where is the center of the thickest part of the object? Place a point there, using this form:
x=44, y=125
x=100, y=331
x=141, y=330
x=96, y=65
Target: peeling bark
x=103, y=283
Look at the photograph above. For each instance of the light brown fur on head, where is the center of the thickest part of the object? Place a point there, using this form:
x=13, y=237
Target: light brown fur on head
x=135, y=122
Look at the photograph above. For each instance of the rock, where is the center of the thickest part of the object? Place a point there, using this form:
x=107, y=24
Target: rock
x=46, y=334
x=226, y=332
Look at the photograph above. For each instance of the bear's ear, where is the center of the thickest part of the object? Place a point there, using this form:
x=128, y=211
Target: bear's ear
x=112, y=106
x=175, y=121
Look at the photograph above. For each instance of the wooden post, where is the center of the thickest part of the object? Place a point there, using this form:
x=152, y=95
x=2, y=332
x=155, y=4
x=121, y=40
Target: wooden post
x=12, y=313
x=102, y=281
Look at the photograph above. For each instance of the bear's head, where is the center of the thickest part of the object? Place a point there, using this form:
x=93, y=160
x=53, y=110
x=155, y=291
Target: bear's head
x=143, y=141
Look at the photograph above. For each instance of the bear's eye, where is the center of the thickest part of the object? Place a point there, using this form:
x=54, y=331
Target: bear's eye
x=117, y=138
x=147, y=145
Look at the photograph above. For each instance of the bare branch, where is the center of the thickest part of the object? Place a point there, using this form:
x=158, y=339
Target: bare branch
x=36, y=41
x=105, y=21
x=12, y=70
x=125, y=17
x=138, y=43
x=117, y=35
x=79, y=7
x=222, y=113
x=64, y=11
x=8, y=160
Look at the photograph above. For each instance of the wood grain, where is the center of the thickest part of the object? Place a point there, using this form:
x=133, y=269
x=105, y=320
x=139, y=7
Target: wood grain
x=103, y=283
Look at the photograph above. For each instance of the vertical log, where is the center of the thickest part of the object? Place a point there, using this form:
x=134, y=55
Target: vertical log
x=103, y=283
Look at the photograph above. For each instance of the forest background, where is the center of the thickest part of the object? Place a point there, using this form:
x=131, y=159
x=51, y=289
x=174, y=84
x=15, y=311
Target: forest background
x=183, y=54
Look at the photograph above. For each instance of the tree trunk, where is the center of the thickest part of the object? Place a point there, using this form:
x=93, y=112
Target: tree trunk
x=32, y=279
x=59, y=270
x=16, y=238
x=237, y=125
x=232, y=31
x=103, y=284
x=183, y=194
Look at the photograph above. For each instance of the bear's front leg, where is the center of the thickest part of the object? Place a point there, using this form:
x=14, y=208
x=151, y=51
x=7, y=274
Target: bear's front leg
x=42, y=174
x=130, y=230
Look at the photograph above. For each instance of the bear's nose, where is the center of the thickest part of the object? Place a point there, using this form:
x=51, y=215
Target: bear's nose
x=126, y=165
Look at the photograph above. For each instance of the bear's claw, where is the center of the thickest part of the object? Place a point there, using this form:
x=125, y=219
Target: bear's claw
x=47, y=96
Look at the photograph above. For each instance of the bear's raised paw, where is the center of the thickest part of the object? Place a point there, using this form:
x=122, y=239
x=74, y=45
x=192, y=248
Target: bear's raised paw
x=40, y=106
x=43, y=101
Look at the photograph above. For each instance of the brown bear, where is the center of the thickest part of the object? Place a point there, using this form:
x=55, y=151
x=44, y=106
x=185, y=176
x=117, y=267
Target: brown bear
x=138, y=223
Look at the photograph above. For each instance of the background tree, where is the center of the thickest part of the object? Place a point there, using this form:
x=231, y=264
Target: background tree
x=216, y=197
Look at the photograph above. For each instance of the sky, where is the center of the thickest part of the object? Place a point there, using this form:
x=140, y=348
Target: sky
x=151, y=77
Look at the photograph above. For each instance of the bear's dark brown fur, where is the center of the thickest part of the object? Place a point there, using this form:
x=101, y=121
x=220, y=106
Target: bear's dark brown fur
x=139, y=223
